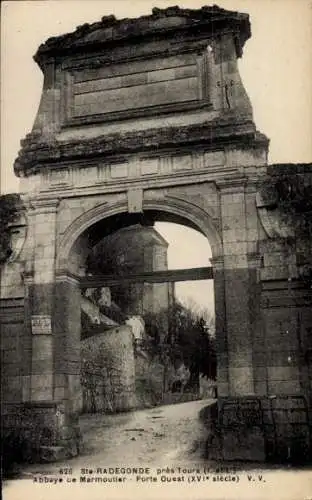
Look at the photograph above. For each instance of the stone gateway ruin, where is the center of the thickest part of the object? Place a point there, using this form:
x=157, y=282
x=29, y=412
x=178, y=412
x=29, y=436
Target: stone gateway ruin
x=141, y=120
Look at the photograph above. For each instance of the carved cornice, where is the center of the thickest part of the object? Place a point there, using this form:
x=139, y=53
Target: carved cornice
x=233, y=183
x=172, y=22
x=214, y=135
x=44, y=205
x=64, y=275
x=217, y=263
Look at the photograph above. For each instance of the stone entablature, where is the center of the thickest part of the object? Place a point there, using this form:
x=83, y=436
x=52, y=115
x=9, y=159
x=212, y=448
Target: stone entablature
x=223, y=137
x=191, y=166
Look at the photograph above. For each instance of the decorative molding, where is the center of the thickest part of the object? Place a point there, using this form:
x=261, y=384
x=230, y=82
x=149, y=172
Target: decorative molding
x=44, y=205
x=11, y=303
x=150, y=181
x=63, y=275
x=213, y=135
x=233, y=183
x=125, y=54
x=217, y=263
x=254, y=261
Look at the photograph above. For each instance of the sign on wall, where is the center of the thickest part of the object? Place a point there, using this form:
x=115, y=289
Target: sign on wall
x=41, y=325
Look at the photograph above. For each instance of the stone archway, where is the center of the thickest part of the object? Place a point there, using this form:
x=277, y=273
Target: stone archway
x=162, y=126
x=67, y=284
x=190, y=213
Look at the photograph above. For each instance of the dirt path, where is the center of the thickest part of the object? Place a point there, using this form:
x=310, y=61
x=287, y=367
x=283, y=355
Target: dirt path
x=163, y=435
x=159, y=435
x=155, y=439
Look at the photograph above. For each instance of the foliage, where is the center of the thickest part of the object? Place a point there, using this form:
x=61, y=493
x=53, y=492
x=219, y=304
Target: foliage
x=180, y=334
x=200, y=311
x=10, y=207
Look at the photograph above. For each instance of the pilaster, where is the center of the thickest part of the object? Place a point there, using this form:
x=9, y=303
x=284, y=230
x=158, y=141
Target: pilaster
x=44, y=217
x=67, y=331
x=39, y=293
x=236, y=286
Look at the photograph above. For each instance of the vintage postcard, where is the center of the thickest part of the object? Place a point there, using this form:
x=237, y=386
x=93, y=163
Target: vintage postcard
x=155, y=255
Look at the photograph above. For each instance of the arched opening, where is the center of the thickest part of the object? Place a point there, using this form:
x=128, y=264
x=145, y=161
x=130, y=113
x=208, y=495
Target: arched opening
x=188, y=248
x=147, y=313
x=106, y=218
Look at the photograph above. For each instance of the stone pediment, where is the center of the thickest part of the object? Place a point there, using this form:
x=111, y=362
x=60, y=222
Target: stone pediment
x=167, y=22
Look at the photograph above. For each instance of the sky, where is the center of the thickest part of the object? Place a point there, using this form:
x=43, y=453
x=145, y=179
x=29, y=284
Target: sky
x=276, y=69
x=188, y=248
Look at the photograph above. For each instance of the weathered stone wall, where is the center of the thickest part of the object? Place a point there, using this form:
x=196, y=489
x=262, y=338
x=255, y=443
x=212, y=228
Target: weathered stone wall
x=108, y=371
x=280, y=357
x=267, y=266
x=262, y=333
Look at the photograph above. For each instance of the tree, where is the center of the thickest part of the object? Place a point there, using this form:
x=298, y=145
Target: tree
x=186, y=338
x=200, y=311
x=195, y=344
